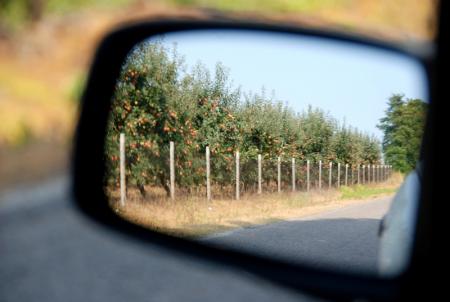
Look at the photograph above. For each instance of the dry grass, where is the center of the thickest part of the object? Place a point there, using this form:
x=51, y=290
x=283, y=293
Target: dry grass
x=194, y=216
x=372, y=190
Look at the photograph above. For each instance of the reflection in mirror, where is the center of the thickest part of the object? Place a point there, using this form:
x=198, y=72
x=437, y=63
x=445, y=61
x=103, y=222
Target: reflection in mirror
x=276, y=144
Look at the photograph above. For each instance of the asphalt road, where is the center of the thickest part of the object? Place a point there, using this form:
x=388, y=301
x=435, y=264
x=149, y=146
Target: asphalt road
x=50, y=252
x=345, y=239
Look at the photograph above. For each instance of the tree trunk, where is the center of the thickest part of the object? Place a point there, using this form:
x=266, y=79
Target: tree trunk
x=142, y=190
x=164, y=184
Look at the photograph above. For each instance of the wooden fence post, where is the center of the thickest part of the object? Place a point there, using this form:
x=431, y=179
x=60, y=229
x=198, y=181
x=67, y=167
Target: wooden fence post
x=346, y=174
x=373, y=174
x=363, y=174
x=293, y=174
x=378, y=173
x=359, y=177
x=172, y=170
x=339, y=175
x=330, y=176
x=368, y=174
x=123, y=190
x=307, y=176
x=237, y=176
x=381, y=173
x=208, y=175
x=320, y=174
x=279, y=174
x=352, y=170
x=259, y=175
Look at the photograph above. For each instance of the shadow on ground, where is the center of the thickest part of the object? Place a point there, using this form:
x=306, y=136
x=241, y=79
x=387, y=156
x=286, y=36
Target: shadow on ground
x=342, y=244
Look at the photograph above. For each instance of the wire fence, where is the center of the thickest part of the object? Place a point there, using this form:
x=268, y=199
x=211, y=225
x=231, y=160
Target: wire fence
x=226, y=176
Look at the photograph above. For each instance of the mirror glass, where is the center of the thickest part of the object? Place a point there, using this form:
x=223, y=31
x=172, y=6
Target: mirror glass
x=281, y=145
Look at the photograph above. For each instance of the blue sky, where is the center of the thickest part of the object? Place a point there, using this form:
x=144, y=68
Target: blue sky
x=351, y=83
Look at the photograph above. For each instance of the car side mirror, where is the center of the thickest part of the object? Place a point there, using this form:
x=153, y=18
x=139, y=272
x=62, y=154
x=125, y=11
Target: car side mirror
x=92, y=166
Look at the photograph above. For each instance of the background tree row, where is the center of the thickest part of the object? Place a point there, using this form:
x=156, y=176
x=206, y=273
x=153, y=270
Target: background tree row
x=157, y=101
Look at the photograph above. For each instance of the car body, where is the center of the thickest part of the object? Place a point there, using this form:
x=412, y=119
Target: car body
x=398, y=226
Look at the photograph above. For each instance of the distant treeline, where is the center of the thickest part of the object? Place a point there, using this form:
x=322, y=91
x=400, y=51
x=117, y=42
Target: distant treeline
x=403, y=127
x=157, y=100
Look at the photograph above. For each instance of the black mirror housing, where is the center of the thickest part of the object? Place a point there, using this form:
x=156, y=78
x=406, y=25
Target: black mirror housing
x=88, y=166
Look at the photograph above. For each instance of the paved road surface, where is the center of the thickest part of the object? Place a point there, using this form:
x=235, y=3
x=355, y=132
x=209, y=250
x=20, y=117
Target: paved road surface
x=345, y=238
x=50, y=252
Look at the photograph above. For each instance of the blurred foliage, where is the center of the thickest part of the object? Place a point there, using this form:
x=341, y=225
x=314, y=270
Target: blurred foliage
x=408, y=18
x=267, y=5
x=156, y=101
x=416, y=17
x=15, y=14
x=58, y=6
x=31, y=110
x=75, y=88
